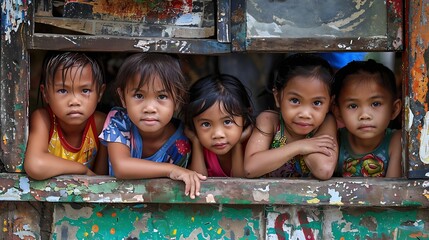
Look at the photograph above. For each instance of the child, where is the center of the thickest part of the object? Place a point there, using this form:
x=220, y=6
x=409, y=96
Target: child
x=63, y=137
x=219, y=119
x=366, y=102
x=143, y=139
x=300, y=140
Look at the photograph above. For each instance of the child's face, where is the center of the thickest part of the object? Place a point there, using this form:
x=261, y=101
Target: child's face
x=304, y=103
x=75, y=100
x=217, y=130
x=365, y=106
x=151, y=107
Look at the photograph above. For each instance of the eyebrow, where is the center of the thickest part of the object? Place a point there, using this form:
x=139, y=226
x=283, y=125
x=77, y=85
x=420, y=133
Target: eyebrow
x=299, y=95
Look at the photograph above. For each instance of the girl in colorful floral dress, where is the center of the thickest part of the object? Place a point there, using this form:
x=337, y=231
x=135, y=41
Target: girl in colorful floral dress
x=143, y=138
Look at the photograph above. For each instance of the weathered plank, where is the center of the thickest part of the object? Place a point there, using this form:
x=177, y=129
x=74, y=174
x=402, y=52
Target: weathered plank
x=416, y=60
x=14, y=75
x=335, y=192
x=125, y=44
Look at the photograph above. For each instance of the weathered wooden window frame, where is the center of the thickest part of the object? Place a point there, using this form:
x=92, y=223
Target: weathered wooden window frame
x=15, y=73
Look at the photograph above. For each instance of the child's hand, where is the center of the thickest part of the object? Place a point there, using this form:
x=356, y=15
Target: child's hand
x=324, y=144
x=191, y=135
x=191, y=179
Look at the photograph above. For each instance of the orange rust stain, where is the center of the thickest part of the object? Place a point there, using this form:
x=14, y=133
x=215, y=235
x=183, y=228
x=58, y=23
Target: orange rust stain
x=419, y=43
x=95, y=228
x=112, y=231
x=99, y=214
x=113, y=214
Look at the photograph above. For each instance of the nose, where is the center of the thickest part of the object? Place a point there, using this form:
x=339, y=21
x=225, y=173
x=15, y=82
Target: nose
x=149, y=107
x=364, y=115
x=218, y=133
x=74, y=100
x=305, y=113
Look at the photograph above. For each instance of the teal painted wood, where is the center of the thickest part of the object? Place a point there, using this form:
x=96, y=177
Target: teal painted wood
x=157, y=221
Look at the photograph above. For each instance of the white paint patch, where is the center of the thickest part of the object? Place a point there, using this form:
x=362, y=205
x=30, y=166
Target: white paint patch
x=52, y=199
x=12, y=194
x=335, y=197
x=24, y=184
x=424, y=141
x=261, y=194
x=189, y=19
x=210, y=198
x=144, y=44
x=425, y=183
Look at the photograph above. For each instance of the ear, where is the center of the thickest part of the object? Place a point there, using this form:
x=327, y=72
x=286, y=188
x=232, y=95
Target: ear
x=43, y=91
x=396, y=108
x=101, y=92
x=121, y=97
x=276, y=95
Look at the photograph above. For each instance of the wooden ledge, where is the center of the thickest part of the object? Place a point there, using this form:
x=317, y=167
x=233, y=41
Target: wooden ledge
x=335, y=192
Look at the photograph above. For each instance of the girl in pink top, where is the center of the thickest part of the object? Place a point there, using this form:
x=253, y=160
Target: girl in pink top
x=219, y=122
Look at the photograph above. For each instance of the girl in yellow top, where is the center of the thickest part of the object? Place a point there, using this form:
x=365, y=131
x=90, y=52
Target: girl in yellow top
x=63, y=135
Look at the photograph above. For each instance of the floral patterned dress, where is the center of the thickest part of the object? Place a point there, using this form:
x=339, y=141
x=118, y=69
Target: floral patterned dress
x=296, y=166
x=119, y=128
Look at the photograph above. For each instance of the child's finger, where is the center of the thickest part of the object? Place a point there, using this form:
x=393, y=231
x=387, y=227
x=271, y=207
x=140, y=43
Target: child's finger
x=192, y=186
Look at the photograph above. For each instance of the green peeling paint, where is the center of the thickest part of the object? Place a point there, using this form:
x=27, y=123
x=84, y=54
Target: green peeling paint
x=167, y=222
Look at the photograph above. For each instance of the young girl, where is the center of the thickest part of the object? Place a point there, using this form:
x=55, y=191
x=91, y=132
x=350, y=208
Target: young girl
x=219, y=119
x=299, y=141
x=63, y=137
x=366, y=102
x=143, y=139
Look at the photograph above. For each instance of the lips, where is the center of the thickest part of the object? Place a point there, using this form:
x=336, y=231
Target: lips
x=149, y=121
x=366, y=127
x=219, y=145
x=74, y=113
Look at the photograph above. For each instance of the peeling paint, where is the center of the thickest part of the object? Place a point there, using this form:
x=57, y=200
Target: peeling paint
x=424, y=141
x=13, y=15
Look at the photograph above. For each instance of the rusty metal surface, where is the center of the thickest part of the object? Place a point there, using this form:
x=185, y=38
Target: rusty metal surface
x=416, y=90
x=129, y=18
x=278, y=26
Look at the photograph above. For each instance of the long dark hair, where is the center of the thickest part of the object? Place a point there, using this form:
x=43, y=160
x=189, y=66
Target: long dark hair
x=222, y=88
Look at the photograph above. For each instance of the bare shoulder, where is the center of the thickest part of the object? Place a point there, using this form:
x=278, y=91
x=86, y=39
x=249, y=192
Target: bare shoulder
x=267, y=121
x=40, y=116
x=396, y=137
x=99, y=118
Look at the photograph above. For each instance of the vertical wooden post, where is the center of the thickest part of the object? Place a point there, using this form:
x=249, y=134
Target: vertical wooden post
x=14, y=82
x=416, y=60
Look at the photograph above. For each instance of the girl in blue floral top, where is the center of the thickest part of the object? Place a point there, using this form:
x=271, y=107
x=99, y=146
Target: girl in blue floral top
x=143, y=138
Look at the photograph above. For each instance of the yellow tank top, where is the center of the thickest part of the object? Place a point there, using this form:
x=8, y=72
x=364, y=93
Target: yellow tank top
x=87, y=151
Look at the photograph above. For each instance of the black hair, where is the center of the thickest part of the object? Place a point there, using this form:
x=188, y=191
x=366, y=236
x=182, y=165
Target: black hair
x=147, y=65
x=386, y=77
x=302, y=64
x=223, y=88
x=64, y=61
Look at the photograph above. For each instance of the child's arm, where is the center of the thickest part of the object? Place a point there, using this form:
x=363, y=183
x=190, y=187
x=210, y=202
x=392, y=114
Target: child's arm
x=259, y=159
x=395, y=152
x=126, y=167
x=237, y=156
x=198, y=163
x=101, y=166
x=39, y=163
x=322, y=164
